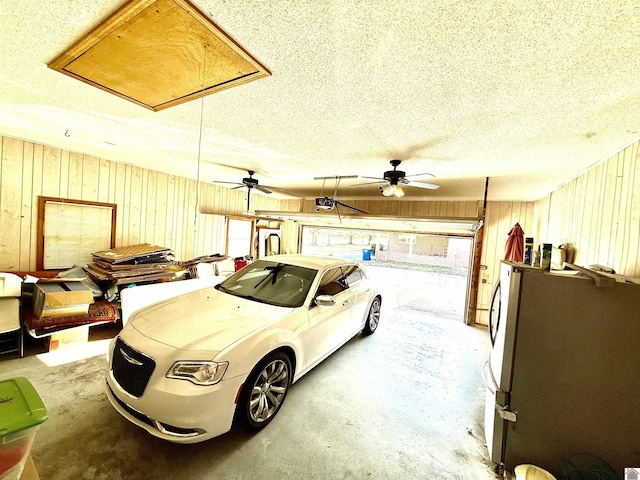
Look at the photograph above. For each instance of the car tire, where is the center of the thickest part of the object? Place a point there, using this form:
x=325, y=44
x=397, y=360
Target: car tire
x=264, y=391
x=373, y=317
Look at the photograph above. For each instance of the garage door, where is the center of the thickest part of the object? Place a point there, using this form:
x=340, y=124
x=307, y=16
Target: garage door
x=439, y=264
x=459, y=232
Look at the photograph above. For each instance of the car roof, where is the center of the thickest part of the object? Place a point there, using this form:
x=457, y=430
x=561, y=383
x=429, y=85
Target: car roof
x=310, y=261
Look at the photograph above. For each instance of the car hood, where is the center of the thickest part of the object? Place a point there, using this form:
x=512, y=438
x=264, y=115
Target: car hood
x=206, y=319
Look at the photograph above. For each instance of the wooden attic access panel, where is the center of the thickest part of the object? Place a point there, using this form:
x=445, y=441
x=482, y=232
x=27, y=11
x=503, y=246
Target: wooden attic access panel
x=153, y=53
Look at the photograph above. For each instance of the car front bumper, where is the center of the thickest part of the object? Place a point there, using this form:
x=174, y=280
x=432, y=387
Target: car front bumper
x=180, y=419
x=177, y=410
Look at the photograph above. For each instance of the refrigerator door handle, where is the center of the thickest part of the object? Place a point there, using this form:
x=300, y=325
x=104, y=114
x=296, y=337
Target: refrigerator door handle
x=491, y=385
x=493, y=329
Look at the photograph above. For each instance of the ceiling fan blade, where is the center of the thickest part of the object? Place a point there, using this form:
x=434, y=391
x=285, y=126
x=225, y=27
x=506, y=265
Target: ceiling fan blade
x=429, y=186
x=262, y=189
x=239, y=186
x=282, y=191
x=421, y=175
x=229, y=183
x=352, y=208
x=369, y=183
x=375, y=178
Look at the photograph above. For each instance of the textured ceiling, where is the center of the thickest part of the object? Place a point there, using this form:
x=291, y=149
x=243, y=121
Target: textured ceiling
x=527, y=93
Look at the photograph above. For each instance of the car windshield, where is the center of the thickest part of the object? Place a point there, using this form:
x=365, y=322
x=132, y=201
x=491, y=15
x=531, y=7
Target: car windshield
x=269, y=282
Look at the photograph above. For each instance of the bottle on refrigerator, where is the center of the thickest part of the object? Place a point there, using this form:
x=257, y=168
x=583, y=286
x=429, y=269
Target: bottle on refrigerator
x=528, y=250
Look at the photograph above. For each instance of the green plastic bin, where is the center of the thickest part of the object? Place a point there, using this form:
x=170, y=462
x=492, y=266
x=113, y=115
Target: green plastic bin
x=21, y=413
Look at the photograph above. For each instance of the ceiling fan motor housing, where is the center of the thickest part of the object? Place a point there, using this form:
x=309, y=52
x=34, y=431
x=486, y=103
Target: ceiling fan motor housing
x=250, y=182
x=394, y=176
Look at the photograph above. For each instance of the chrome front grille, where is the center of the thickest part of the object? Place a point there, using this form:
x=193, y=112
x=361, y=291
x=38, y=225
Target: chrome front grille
x=131, y=369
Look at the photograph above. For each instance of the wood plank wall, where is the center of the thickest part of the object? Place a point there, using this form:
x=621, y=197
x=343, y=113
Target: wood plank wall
x=599, y=212
x=161, y=209
x=500, y=217
x=153, y=207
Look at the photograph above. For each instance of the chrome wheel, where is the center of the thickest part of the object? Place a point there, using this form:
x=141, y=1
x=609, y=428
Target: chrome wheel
x=374, y=317
x=268, y=391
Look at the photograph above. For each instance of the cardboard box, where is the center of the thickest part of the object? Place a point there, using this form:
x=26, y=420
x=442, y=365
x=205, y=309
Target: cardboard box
x=29, y=472
x=68, y=338
x=54, y=299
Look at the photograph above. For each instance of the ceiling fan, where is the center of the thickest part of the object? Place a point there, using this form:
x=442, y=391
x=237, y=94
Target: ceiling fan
x=395, y=179
x=250, y=183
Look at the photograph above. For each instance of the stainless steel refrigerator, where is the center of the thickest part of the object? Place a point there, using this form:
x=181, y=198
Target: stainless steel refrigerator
x=563, y=376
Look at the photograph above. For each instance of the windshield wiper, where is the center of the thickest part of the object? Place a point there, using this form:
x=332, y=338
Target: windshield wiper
x=273, y=273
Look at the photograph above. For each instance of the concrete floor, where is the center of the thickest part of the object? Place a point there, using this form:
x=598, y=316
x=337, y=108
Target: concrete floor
x=404, y=403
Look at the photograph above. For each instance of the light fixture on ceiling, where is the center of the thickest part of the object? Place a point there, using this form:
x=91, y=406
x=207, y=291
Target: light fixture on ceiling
x=391, y=190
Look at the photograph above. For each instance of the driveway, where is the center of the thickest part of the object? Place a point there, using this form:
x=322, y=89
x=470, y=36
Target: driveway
x=440, y=294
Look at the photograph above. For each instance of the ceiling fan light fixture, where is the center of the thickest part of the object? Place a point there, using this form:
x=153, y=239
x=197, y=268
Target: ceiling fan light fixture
x=392, y=190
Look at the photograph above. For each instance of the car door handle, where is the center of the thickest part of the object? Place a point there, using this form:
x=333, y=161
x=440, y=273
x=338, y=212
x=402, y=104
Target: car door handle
x=346, y=303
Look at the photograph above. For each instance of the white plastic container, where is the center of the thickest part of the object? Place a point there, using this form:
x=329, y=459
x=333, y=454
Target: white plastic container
x=10, y=285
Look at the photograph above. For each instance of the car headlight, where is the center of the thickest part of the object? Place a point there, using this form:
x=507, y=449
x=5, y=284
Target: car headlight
x=200, y=373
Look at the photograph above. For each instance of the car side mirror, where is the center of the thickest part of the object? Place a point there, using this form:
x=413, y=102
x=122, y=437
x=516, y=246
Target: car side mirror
x=325, y=300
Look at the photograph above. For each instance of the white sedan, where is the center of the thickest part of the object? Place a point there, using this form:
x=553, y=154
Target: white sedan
x=186, y=368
